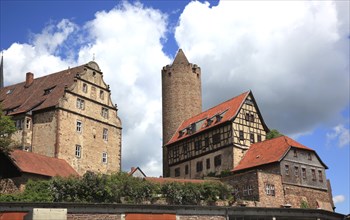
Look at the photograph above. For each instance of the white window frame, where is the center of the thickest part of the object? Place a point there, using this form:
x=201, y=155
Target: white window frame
x=270, y=189
x=79, y=126
x=250, y=190
x=245, y=190
x=104, y=157
x=78, y=151
x=85, y=88
x=105, y=134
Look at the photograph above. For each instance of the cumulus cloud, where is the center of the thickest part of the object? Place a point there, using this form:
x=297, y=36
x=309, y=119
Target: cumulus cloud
x=293, y=55
x=338, y=199
x=340, y=134
x=127, y=45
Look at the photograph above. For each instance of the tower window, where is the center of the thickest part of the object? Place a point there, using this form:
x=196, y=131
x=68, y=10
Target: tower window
x=104, y=112
x=80, y=103
x=102, y=95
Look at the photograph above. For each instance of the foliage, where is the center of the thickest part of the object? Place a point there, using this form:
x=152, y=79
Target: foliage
x=273, y=134
x=304, y=205
x=7, y=128
x=117, y=188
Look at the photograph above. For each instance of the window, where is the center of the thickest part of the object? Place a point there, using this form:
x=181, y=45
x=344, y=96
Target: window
x=197, y=145
x=313, y=173
x=236, y=193
x=250, y=190
x=79, y=126
x=241, y=136
x=105, y=134
x=309, y=156
x=28, y=123
x=249, y=117
x=206, y=142
x=295, y=153
x=245, y=190
x=296, y=171
x=199, y=166
x=286, y=170
x=85, y=88
x=102, y=94
x=186, y=169
x=185, y=151
x=216, y=138
x=252, y=139
x=208, y=163
x=19, y=124
x=176, y=153
x=270, y=189
x=104, y=157
x=77, y=151
x=320, y=176
x=303, y=171
x=80, y=103
x=177, y=172
x=48, y=91
x=259, y=138
x=104, y=112
x=217, y=160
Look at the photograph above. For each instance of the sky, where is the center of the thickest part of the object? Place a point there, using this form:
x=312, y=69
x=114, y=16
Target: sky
x=293, y=56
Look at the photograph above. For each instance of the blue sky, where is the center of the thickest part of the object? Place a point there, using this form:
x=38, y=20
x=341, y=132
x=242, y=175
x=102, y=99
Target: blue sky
x=293, y=55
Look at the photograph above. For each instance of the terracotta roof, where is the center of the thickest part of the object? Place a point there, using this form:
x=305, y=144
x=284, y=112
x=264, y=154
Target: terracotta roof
x=268, y=151
x=228, y=110
x=134, y=169
x=28, y=162
x=166, y=180
x=21, y=99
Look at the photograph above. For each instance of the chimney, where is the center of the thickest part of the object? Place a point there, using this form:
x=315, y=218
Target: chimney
x=29, y=79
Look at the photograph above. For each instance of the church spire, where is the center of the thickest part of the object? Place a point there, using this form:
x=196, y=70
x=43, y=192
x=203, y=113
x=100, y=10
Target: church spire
x=180, y=58
x=2, y=71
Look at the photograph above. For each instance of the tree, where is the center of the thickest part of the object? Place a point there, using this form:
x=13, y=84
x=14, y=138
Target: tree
x=273, y=134
x=7, y=128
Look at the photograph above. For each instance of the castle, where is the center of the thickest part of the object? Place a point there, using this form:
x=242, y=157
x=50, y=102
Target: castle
x=68, y=119
x=230, y=139
x=66, y=116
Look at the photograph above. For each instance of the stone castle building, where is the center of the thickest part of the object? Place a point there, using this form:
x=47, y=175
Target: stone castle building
x=67, y=115
x=230, y=139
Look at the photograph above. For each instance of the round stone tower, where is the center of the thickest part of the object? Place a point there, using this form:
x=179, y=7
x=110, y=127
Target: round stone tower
x=181, y=94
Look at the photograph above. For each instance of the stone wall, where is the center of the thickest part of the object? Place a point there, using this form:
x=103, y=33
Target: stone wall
x=313, y=198
x=81, y=216
x=200, y=217
x=265, y=200
x=44, y=133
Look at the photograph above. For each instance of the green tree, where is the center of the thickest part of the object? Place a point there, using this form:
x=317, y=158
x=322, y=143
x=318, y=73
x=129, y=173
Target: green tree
x=7, y=128
x=273, y=134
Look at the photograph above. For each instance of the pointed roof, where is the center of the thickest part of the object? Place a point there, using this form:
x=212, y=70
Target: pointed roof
x=226, y=111
x=269, y=151
x=28, y=162
x=43, y=93
x=180, y=58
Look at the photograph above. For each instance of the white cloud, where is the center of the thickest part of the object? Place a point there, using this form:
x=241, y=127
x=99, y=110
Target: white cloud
x=338, y=199
x=340, y=134
x=293, y=55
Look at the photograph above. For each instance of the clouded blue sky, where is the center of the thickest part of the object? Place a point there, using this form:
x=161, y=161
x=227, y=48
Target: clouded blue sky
x=293, y=55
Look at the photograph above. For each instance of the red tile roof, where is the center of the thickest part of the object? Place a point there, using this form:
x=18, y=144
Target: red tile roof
x=167, y=180
x=22, y=99
x=268, y=151
x=28, y=162
x=230, y=107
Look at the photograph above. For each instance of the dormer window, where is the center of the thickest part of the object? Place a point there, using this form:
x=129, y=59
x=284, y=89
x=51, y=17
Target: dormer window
x=218, y=118
x=9, y=91
x=209, y=121
x=181, y=133
x=48, y=91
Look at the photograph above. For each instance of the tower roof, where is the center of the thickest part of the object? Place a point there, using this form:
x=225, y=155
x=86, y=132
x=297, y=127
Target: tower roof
x=180, y=58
